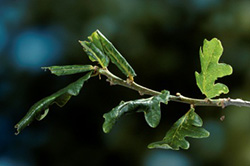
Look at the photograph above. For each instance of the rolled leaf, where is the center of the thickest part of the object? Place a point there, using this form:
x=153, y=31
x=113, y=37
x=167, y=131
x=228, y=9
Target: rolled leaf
x=40, y=109
x=94, y=51
x=188, y=125
x=69, y=69
x=211, y=70
x=115, y=56
x=150, y=107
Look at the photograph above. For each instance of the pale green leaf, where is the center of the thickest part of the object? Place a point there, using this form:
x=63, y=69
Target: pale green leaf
x=116, y=56
x=150, y=107
x=40, y=109
x=69, y=69
x=188, y=125
x=211, y=69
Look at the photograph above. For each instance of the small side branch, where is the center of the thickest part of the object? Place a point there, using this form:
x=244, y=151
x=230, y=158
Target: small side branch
x=221, y=102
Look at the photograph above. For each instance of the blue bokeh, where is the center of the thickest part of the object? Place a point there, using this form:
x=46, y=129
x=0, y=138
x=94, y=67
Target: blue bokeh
x=215, y=143
x=202, y=5
x=7, y=161
x=3, y=36
x=167, y=158
x=13, y=13
x=35, y=48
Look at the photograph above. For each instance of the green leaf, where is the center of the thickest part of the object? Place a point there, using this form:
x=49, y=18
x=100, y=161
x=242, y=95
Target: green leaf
x=68, y=70
x=150, y=107
x=94, y=50
x=115, y=56
x=40, y=109
x=211, y=70
x=188, y=125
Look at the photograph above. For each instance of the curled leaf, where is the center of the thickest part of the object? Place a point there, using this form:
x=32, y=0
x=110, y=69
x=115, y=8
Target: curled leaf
x=150, y=107
x=95, y=51
x=188, y=125
x=115, y=56
x=100, y=49
x=211, y=70
x=40, y=109
x=69, y=69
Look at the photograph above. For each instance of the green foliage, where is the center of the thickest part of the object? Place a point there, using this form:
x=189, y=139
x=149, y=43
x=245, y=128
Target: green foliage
x=99, y=49
x=211, y=69
x=188, y=125
x=40, y=109
x=150, y=107
x=68, y=70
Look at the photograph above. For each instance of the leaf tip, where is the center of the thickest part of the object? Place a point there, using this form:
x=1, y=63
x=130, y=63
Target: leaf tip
x=151, y=146
x=45, y=68
x=160, y=145
x=106, y=128
x=206, y=134
x=82, y=43
x=17, y=129
x=107, y=125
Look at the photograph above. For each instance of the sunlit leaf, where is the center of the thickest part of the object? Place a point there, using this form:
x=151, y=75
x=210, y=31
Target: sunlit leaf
x=211, y=69
x=115, y=56
x=69, y=69
x=40, y=109
x=94, y=50
x=150, y=107
x=188, y=125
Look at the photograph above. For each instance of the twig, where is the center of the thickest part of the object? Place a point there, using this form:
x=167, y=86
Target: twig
x=221, y=102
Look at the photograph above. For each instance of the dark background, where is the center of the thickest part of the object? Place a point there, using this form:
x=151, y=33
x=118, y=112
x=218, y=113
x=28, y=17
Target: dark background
x=161, y=41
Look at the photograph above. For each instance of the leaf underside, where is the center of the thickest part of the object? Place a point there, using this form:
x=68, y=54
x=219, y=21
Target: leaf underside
x=69, y=69
x=188, y=125
x=150, y=107
x=211, y=70
x=40, y=109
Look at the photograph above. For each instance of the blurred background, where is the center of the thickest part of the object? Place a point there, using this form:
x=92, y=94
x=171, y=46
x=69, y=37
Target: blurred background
x=161, y=41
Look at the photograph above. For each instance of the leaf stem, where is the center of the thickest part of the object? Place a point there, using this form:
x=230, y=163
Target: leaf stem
x=221, y=102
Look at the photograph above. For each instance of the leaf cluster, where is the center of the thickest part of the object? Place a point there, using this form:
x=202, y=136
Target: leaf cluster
x=101, y=51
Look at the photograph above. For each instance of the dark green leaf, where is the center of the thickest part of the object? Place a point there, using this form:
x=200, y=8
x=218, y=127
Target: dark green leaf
x=150, y=107
x=188, y=125
x=115, y=56
x=40, y=109
x=94, y=50
x=211, y=70
x=68, y=70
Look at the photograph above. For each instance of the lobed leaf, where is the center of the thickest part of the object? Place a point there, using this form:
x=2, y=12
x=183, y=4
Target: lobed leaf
x=150, y=107
x=211, y=70
x=94, y=50
x=115, y=56
x=188, y=125
x=69, y=69
x=40, y=109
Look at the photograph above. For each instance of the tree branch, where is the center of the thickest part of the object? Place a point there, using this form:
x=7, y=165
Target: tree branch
x=221, y=102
